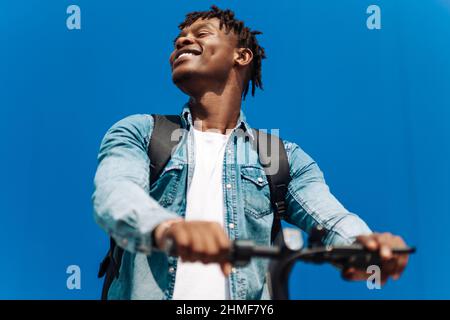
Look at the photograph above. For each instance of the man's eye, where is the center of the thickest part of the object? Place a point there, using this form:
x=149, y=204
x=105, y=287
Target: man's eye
x=202, y=34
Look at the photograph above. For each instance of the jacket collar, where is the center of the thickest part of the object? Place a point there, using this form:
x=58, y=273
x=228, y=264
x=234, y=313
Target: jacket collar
x=242, y=123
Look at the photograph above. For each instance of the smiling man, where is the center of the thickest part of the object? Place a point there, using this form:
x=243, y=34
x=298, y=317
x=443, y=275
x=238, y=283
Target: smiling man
x=214, y=188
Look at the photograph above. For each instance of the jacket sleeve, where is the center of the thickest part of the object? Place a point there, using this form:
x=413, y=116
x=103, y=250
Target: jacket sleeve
x=121, y=200
x=310, y=202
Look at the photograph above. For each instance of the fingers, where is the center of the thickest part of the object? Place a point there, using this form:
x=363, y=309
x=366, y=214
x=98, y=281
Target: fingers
x=202, y=241
x=368, y=242
x=197, y=245
x=226, y=268
x=182, y=240
x=385, y=243
x=354, y=274
x=392, y=265
x=223, y=245
x=402, y=260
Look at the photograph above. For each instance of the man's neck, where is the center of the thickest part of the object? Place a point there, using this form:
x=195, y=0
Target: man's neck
x=214, y=112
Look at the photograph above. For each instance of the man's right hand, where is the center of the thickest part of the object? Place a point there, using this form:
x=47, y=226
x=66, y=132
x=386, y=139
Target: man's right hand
x=202, y=241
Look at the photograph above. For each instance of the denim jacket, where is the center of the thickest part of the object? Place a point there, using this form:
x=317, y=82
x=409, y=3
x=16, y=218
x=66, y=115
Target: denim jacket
x=128, y=208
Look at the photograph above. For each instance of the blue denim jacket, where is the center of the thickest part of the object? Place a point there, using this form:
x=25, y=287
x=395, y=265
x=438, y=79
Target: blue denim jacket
x=128, y=208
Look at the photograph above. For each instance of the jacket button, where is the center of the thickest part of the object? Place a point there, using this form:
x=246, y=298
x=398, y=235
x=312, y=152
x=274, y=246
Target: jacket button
x=171, y=269
x=260, y=179
x=228, y=186
x=231, y=225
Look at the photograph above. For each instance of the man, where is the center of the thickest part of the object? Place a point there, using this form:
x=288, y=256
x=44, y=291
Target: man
x=207, y=194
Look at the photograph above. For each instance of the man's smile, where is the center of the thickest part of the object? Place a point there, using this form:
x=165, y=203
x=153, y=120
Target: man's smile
x=184, y=54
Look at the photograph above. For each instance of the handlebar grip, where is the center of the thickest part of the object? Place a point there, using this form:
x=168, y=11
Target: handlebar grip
x=241, y=251
x=348, y=256
x=403, y=250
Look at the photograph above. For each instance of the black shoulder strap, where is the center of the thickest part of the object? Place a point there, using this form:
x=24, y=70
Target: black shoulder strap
x=162, y=142
x=276, y=165
x=273, y=157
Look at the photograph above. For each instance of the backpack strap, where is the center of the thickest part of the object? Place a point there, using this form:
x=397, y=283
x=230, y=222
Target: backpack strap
x=110, y=266
x=278, y=179
x=162, y=143
x=159, y=151
x=278, y=182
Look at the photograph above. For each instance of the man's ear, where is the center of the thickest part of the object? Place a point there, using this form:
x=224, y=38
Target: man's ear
x=243, y=56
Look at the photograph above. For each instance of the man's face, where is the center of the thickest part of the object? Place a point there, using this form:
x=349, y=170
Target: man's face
x=203, y=54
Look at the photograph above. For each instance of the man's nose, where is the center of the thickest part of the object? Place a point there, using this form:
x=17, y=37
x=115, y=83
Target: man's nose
x=183, y=41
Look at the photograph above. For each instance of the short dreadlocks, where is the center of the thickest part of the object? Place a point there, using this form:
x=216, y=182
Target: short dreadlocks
x=246, y=39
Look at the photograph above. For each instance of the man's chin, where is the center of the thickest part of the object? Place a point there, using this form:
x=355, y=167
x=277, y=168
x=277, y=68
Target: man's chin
x=193, y=82
x=184, y=80
x=181, y=75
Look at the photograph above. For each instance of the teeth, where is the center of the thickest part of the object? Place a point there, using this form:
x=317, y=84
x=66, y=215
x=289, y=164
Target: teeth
x=185, y=54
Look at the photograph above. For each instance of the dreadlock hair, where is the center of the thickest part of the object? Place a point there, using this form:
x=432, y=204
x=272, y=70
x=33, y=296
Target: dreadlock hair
x=246, y=39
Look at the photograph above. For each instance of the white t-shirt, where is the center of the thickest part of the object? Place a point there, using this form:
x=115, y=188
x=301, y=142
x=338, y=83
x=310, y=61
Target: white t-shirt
x=195, y=280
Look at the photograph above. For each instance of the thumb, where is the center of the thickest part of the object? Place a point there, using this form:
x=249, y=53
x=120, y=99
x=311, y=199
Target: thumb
x=226, y=268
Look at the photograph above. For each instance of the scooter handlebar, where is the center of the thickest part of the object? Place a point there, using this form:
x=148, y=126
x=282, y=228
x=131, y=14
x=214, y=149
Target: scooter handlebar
x=355, y=255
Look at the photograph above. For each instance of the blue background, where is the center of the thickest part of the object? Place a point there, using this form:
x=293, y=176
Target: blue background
x=372, y=107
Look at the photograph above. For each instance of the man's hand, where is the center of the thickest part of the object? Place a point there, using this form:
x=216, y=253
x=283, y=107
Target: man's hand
x=392, y=265
x=196, y=241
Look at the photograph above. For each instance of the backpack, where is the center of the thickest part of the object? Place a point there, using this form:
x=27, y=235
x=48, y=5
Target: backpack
x=159, y=152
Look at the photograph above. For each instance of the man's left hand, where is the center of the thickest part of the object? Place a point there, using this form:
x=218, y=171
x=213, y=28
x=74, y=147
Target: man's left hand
x=392, y=265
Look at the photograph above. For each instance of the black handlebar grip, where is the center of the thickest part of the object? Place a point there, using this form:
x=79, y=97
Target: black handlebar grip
x=356, y=256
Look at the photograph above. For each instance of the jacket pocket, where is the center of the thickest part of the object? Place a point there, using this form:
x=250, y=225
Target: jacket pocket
x=164, y=190
x=256, y=191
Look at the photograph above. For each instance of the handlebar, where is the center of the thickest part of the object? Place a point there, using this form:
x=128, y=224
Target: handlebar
x=355, y=255
x=283, y=256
